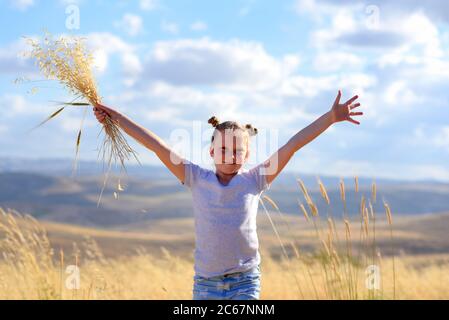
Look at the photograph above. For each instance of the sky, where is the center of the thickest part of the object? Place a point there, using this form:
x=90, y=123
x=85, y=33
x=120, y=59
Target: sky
x=171, y=65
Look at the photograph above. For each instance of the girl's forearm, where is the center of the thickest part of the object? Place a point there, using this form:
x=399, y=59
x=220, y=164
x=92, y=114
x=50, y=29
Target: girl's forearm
x=310, y=132
x=150, y=140
x=139, y=133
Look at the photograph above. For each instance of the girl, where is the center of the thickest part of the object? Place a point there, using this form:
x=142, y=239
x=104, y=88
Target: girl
x=225, y=202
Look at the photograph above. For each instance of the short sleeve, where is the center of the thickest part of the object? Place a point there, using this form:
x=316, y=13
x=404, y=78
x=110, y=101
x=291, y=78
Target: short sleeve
x=191, y=173
x=258, y=174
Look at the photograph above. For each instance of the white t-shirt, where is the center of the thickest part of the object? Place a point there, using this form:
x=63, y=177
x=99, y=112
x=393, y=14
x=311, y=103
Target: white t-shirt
x=225, y=219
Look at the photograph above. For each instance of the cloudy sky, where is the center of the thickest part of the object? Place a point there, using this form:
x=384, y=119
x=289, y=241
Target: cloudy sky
x=171, y=65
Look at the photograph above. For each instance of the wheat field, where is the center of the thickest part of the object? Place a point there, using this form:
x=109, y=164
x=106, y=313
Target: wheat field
x=31, y=268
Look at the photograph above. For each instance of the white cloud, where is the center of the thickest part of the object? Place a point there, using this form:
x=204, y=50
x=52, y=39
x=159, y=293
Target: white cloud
x=379, y=170
x=69, y=2
x=347, y=27
x=72, y=123
x=198, y=26
x=15, y=106
x=335, y=61
x=233, y=64
x=12, y=59
x=148, y=4
x=347, y=24
x=399, y=94
x=437, y=9
x=130, y=61
x=307, y=86
x=311, y=86
x=12, y=105
x=169, y=27
x=3, y=129
x=131, y=23
x=22, y=4
x=441, y=138
x=131, y=64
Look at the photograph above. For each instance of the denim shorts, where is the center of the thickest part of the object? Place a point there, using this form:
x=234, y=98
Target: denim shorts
x=234, y=286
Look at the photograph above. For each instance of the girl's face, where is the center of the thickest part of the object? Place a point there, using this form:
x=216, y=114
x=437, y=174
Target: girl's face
x=230, y=150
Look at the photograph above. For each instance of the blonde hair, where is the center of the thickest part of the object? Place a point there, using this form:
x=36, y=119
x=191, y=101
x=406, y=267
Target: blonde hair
x=233, y=125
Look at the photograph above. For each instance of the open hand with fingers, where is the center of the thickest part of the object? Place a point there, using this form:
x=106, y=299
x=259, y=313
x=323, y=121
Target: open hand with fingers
x=342, y=112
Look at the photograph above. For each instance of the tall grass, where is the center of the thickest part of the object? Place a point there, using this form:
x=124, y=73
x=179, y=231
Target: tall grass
x=335, y=268
x=343, y=261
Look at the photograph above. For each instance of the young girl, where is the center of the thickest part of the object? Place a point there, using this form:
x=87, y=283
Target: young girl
x=225, y=202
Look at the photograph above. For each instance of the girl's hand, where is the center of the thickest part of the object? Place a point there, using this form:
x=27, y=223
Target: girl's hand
x=101, y=112
x=342, y=112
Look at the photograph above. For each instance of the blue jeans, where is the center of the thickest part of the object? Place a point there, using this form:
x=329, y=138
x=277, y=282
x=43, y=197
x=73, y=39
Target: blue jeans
x=234, y=286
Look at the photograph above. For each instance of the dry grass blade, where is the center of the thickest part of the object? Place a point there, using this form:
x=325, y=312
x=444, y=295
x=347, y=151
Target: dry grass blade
x=390, y=223
x=78, y=140
x=119, y=186
x=388, y=213
x=54, y=114
x=313, y=208
x=342, y=190
x=304, y=211
x=373, y=192
x=273, y=204
x=323, y=191
x=73, y=104
x=304, y=190
x=284, y=251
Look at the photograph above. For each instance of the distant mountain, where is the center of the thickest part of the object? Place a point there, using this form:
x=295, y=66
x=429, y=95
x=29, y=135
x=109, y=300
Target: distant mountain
x=64, y=167
x=46, y=189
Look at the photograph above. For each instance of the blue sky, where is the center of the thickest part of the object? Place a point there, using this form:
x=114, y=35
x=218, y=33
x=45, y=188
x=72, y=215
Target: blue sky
x=170, y=65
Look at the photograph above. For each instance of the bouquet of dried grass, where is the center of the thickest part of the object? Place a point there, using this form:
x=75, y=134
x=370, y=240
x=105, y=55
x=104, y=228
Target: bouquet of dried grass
x=68, y=61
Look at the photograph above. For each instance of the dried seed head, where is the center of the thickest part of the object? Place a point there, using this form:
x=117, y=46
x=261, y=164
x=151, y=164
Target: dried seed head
x=326, y=247
x=304, y=211
x=371, y=210
x=373, y=192
x=323, y=191
x=342, y=190
x=304, y=190
x=330, y=222
x=273, y=204
x=348, y=228
x=119, y=186
x=362, y=205
x=388, y=213
x=366, y=221
x=314, y=209
x=336, y=257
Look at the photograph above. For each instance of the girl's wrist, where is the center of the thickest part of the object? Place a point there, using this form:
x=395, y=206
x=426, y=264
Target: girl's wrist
x=331, y=117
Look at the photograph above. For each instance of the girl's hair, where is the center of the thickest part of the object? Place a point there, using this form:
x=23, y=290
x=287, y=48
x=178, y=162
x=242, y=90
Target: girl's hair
x=234, y=125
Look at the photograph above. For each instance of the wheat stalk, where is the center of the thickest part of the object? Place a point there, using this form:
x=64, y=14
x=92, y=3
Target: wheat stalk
x=68, y=61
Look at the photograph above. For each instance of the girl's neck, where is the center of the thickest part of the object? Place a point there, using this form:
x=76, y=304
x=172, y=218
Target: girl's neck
x=225, y=178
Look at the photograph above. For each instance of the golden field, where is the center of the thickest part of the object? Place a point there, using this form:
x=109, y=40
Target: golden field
x=157, y=262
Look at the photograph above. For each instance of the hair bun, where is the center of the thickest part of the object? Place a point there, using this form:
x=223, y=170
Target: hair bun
x=251, y=130
x=214, y=121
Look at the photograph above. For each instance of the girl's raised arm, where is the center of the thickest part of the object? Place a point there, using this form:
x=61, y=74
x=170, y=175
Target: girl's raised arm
x=145, y=137
x=339, y=112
